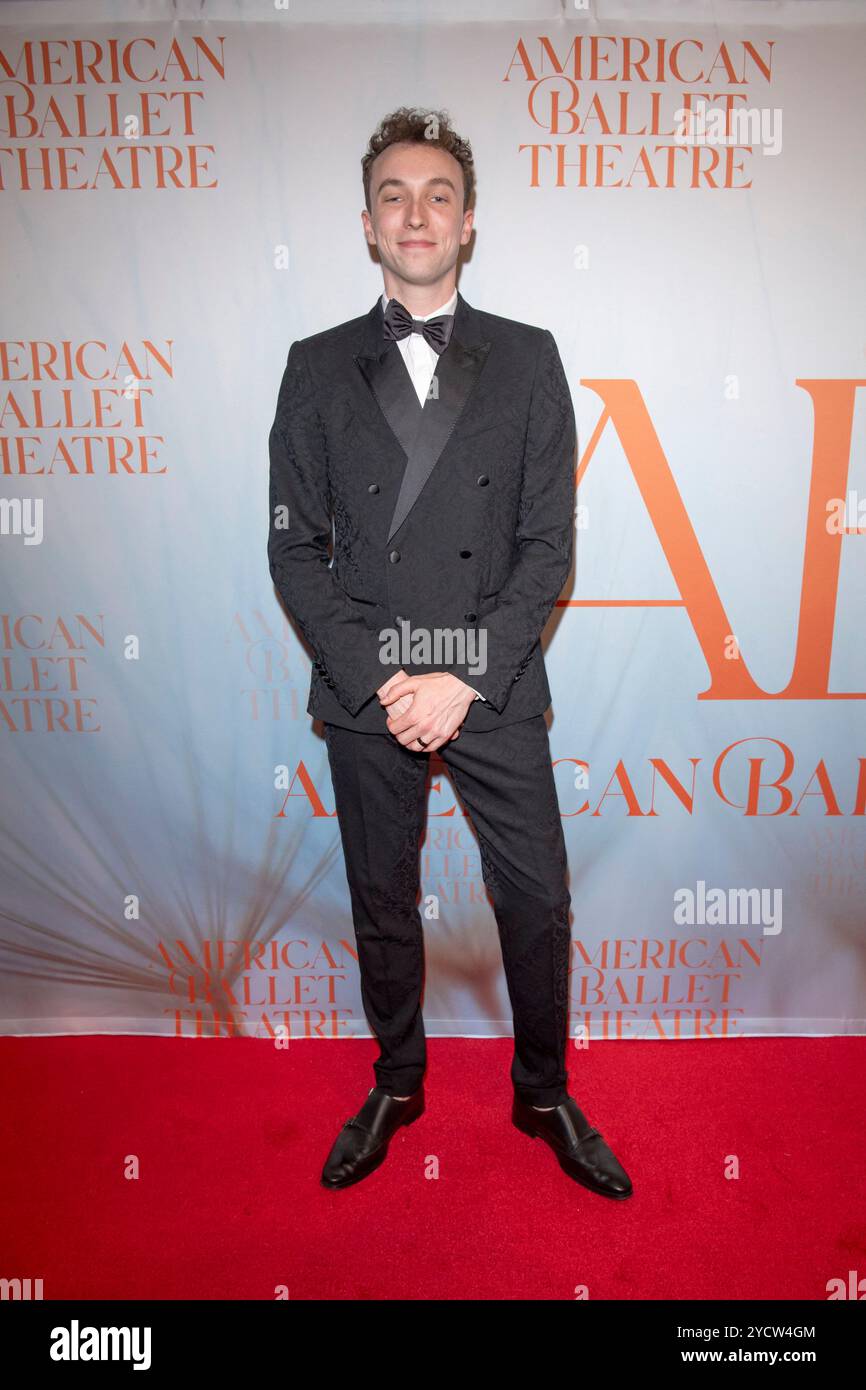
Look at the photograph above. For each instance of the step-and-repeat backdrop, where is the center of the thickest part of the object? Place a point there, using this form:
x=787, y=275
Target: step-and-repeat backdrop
x=678, y=193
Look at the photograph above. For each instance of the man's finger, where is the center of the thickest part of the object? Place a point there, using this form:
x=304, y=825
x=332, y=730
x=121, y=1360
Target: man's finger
x=399, y=723
x=433, y=744
x=405, y=687
x=404, y=723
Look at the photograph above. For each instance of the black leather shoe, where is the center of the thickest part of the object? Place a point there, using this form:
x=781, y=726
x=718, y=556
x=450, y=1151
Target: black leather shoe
x=362, y=1143
x=579, y=1148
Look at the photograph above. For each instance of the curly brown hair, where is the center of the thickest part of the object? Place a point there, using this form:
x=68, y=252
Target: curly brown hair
x=421, y=127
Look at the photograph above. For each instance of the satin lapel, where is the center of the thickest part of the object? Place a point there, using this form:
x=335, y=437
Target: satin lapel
x=422, y=432
x=392, y=386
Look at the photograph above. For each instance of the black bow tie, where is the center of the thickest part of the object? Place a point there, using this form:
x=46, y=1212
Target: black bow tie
x=399, y=323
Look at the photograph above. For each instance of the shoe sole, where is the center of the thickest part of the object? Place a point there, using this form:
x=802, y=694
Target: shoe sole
x=526, y=1128
x=375, y=1161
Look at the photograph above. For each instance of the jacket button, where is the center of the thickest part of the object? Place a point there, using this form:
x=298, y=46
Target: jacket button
x=483, y=480
x=470, y=617
x=466, y=555
x=373, y=487
x=394, y=556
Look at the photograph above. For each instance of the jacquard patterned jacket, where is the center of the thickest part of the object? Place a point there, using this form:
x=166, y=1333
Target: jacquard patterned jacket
x=451, y=516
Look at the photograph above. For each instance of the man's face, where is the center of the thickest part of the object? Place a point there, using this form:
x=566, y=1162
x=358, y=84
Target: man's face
x=417, y=220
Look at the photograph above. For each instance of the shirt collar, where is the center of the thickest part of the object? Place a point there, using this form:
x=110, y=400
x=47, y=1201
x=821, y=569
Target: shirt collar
x=447, y=308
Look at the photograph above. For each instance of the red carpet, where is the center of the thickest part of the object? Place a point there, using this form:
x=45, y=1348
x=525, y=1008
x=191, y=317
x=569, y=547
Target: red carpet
x=230, y=1137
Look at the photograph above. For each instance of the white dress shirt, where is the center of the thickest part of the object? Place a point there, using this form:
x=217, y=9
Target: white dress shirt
x=421, y=360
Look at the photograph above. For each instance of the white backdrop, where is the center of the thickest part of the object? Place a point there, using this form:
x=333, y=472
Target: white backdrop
x=170, y=856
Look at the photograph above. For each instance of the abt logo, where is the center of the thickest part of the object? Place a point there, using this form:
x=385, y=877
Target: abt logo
x=76, y=1343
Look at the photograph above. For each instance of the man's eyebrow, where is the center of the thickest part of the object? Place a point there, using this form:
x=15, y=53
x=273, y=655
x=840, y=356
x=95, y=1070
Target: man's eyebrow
x=401, y=183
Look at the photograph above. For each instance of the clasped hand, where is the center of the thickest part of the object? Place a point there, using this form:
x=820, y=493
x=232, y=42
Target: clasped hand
x=430, y=707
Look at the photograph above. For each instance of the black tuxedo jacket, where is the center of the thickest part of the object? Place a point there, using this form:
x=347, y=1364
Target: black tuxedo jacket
x=455, y=515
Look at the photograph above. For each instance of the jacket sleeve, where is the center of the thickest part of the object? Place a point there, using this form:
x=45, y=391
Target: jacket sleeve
x=545, y=531
x=346, y=647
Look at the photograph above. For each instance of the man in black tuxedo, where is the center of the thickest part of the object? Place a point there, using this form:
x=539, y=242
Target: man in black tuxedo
x=439, y=439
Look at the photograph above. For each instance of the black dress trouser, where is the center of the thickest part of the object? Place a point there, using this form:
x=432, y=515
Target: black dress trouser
x=505, y=781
